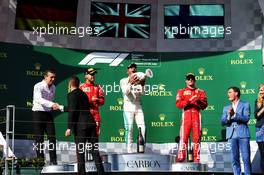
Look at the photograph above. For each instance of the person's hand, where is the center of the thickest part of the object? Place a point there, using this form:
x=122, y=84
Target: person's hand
x=231, y=111
x=195, y=97
x=133, y=79
x=260, y=112
x=55, y=106
x=94, y=99
x=67, y=132
x=97, y=125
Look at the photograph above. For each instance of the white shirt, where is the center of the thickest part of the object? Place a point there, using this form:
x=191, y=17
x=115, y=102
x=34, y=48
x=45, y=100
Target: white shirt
x=43, y=96
x=234, y=106
x=131, y=93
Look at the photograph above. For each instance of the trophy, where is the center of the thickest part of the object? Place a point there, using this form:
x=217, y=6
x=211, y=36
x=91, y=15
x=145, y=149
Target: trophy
x=141, y=76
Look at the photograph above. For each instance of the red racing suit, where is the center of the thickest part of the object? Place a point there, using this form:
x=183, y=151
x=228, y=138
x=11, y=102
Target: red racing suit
x=191, y=119
x=94, y=91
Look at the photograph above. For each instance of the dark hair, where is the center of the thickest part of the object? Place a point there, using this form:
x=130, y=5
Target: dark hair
x=132, y=65
x=75, y=81
x=235, y=89
x=49, y=71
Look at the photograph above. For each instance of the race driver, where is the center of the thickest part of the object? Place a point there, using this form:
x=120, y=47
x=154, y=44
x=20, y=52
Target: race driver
x=191, y=100
x=132, y=104
x=95, y=95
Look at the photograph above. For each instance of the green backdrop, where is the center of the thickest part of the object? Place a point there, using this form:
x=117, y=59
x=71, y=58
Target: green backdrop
x=22, y=66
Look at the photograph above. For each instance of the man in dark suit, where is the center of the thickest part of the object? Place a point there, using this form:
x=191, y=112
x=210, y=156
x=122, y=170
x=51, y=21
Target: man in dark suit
x=82, y=124
x=236, y=116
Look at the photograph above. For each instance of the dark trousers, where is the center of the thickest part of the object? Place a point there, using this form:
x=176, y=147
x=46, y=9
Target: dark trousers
x=86, y=139
x=43, y=123
x=261, y=150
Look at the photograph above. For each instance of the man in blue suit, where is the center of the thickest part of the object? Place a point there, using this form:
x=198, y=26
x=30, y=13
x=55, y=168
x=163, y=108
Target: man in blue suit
x=235, y=117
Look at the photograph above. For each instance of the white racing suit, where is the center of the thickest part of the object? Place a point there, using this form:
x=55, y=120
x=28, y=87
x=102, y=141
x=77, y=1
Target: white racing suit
x=132, y=110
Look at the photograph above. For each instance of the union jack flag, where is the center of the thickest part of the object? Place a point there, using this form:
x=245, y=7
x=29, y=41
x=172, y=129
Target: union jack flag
x=121, y=20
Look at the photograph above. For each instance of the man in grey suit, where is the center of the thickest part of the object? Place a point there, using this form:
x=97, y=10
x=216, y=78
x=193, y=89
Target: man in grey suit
x=236, y=116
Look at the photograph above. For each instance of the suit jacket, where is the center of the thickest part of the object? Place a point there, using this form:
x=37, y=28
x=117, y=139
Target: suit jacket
x=78, y=111
x=237, y=127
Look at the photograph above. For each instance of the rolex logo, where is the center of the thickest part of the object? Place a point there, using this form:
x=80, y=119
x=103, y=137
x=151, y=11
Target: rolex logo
x=162, y=117
x=241, y=55
x=162, y=122
x=202, y=77
x=159, y=90
x=120, y=101
x=29, y=104
x=245, y=90
x=243, y=84
x=3, y=87
x=204, y=131
x=36, y=72
x=3, y=55
x=242, y=59
x=37, y=66
x=201, y=71
x=121, y=132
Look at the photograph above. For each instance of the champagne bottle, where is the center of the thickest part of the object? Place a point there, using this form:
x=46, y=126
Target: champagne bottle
x=140, y=142
x=189, y=151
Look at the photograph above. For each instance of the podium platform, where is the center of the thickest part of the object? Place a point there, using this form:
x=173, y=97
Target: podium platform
x=128, y=163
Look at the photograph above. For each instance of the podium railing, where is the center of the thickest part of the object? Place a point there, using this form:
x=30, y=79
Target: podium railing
x=10, y=112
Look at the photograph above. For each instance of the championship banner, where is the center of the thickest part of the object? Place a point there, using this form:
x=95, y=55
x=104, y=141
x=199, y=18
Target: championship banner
x=23, y=65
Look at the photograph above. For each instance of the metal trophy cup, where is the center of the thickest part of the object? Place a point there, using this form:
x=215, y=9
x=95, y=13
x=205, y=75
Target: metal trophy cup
x=141, y=77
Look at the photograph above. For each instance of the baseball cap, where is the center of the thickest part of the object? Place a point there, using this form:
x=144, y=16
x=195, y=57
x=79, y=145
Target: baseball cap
x=190, y=76
x=132, y=65
x=90, y=71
